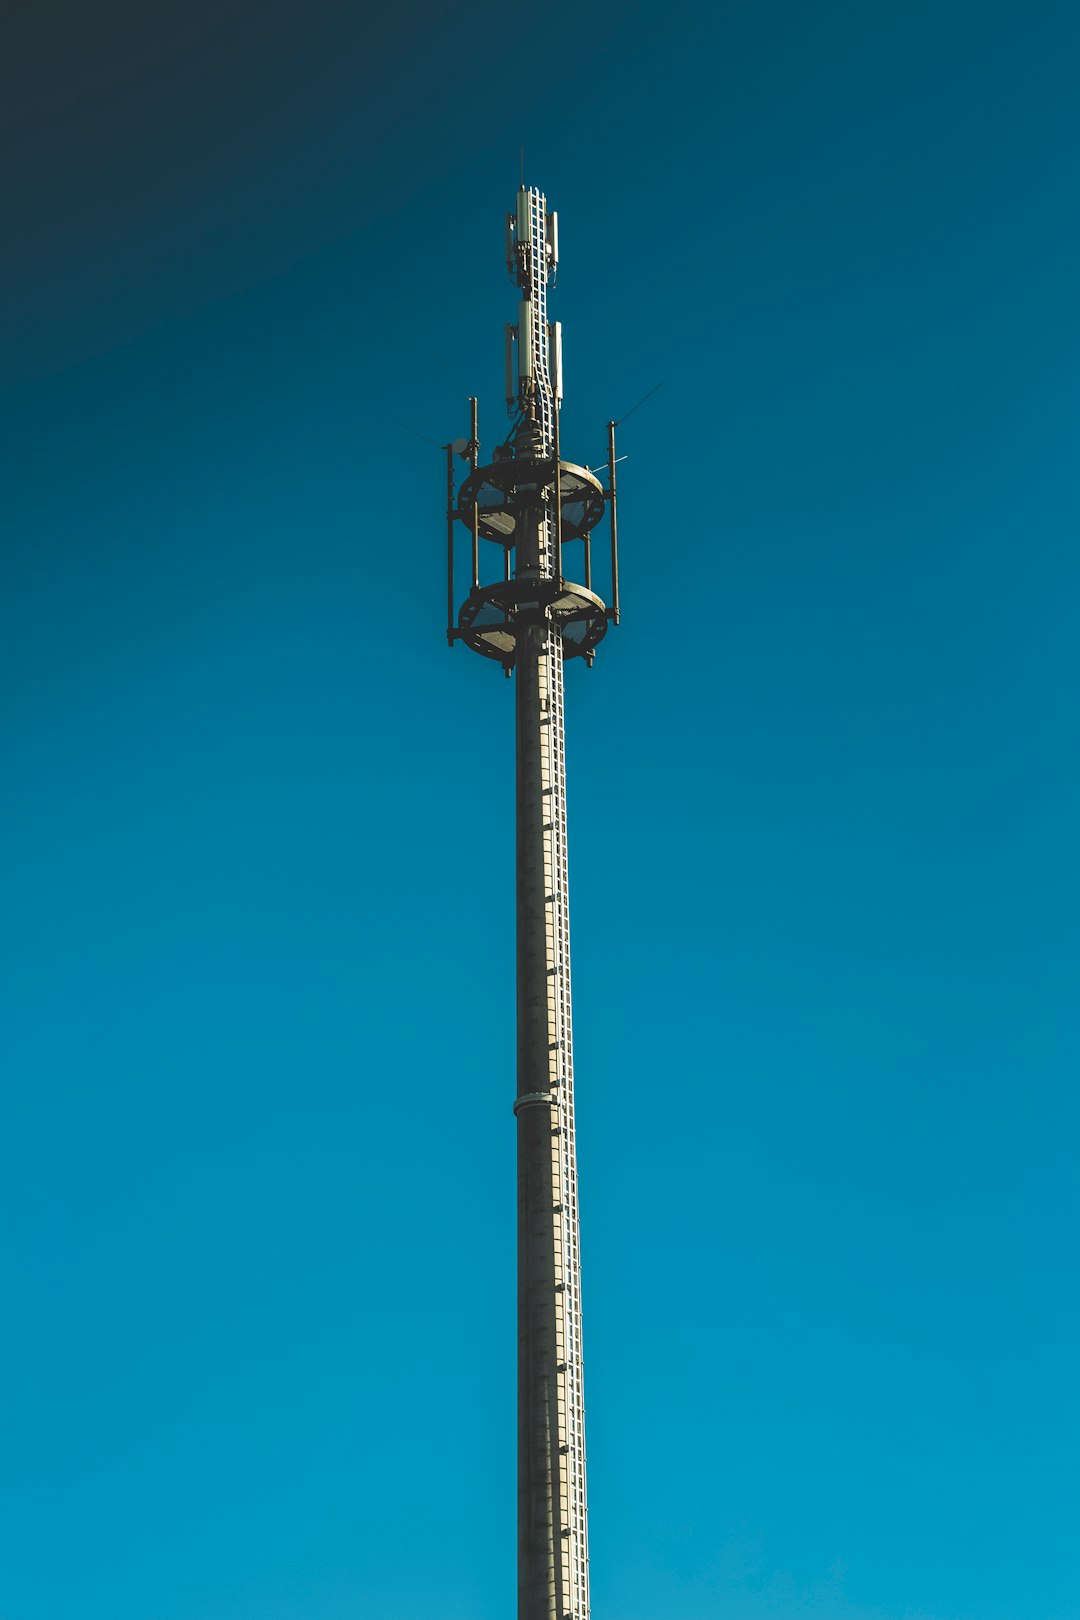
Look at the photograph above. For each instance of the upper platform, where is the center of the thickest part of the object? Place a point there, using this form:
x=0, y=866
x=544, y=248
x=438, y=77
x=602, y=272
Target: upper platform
x=504, y=492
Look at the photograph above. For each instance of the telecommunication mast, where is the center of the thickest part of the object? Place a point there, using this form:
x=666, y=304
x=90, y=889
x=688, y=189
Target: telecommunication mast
x=530, y=508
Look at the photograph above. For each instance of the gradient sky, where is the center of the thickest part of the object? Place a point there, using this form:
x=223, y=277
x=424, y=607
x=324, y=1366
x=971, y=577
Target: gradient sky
x=257, y=935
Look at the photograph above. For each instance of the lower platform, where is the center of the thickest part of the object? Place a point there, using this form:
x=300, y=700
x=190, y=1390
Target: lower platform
x=491, y=614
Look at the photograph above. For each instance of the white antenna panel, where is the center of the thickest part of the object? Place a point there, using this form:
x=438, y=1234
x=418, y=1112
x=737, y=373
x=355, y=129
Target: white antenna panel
x=553, y=242
x=524, y=217
x=555, y=358
x=525, y=340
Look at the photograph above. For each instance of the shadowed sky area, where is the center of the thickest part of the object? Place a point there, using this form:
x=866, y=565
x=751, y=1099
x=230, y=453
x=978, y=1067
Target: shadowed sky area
x=257, y=1179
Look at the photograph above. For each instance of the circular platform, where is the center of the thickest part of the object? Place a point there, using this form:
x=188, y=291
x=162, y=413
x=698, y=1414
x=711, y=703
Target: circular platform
x=491, y=616
x=507, y=489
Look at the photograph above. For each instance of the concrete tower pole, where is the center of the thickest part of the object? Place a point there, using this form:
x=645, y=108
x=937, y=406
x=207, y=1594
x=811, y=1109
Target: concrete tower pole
x=528, y=502
x=550, y=1542
x=541, y=1421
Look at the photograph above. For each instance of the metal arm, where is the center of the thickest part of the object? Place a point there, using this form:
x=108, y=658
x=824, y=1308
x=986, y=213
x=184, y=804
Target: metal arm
x=451, y=630
x=614, y=609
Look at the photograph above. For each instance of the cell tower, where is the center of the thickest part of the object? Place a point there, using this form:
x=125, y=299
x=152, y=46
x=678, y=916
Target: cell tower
x=531, y=505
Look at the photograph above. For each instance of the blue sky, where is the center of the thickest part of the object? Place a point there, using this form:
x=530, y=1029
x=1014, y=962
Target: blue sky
x=257, y=936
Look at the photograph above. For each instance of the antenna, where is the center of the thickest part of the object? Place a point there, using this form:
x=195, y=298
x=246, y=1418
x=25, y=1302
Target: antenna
x=531, y=508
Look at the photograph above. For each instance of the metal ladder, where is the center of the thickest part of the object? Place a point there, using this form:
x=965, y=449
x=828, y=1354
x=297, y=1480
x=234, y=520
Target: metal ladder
x=572, y=1392
x=573, y=1555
